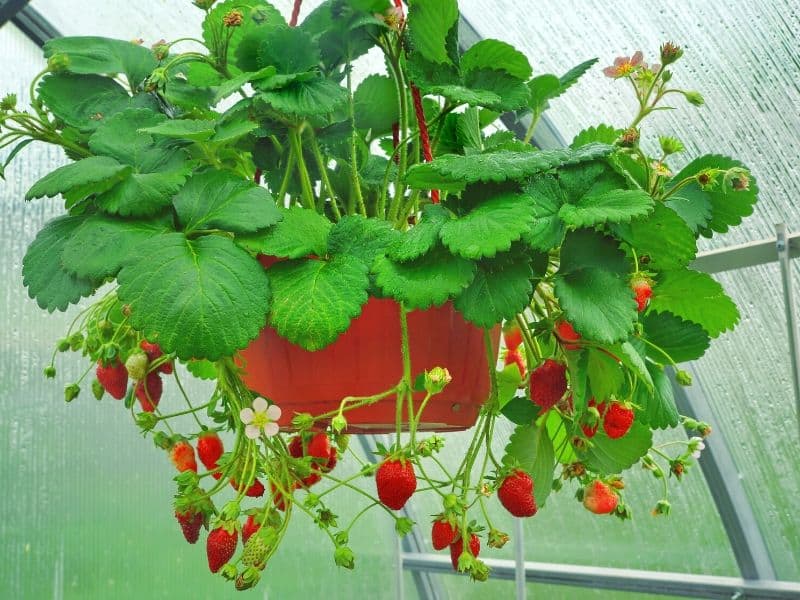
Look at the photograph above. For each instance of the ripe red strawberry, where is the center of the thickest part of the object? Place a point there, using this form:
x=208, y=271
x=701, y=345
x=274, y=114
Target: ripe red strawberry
x=182, y=456
x=512, y=336
x=296, y=447
x=209, y=449
x=599, y=498
x=249, y=528
x=566, y=334
x=548, y=384
x=113, y=377
x=190, y=523
x=220, y=547
x=589, y=430
x=443, y=533
x=312, y=478
x=514, y=357
x=278, y=498
x=153, y=352
x=332, y=460
x=396, y=482
x=642, y=289
x=457, y=547
x=617, y=420
x=256, y=489
x=319, y=447
x=516, y=494
x=149, y=390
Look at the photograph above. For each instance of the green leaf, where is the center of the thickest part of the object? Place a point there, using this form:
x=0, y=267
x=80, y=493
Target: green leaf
x=657, y=406
x=12, y=155
x=605, y=134
x=312, y=98
x=519, y=409
x=343, y=33
x=361, y=238
x=427, y=281
x=453, y=172
x=234, y=129
x=423, y=236
x=559, y=433
x=376, y=104
x=494, y=54
x=429, y=25
x=159, y=171
x=315, y=300
x=290, y=50
x=202, y=369
x=53, y=287
x=468, y=129
x=592, y=288
x=634, y=360
x=512, y=92
x=547, y=229
x=98, y=55
x=300, y=233
x=102, y=244
x=577, y=362
x=615, y=206
x=86, y=101
x=501, y=289
x=490, y=227
x=221, y=200
x=605, y=375
x=571, y=77
x=508, y=382
x=611, y=457
x=186, y=129
x=681, y=340
x=542, y=88
x=695, y=297
x=201, y=298
x=531, y=448
x=91, y=175
x=662, y=236
x=728, y=206
x=693, y=207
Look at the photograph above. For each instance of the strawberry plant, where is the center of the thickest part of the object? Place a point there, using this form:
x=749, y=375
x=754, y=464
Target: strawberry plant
x=240, y=191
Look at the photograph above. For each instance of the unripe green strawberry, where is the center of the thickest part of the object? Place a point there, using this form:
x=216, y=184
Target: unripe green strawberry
x=137, y=365
x=256, y=549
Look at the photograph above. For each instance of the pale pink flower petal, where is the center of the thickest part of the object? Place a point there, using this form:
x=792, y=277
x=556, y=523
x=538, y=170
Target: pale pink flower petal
x=247, y=415
x=637, y=58
x=271, y=429
x=260, y=405
x=252, y=432
x=273, y=413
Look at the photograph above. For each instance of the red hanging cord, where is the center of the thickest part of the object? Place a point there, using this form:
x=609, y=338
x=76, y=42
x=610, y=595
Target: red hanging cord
x=257, y=177
x=396, y=141
x=295, y=13
x=423, y=125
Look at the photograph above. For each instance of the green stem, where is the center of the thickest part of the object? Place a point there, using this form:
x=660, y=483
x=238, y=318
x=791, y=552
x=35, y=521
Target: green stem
x=305, y=181
x=323, y=173
x=354, y=177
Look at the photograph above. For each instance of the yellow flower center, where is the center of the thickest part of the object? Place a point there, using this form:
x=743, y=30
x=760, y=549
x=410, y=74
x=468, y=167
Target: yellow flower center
x=260, y=419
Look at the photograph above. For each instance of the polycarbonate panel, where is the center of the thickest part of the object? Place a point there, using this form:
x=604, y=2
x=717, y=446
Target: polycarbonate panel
x=742, y=56
x=746, y=377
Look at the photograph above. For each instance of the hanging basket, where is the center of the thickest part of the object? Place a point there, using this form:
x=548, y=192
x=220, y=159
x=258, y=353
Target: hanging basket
x=366, y=360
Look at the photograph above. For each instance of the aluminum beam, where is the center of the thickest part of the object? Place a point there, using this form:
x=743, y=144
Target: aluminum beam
x=784, y=249
x=750, y=254
x=35, y=26
x=722, y=475
x=627, y=580
x=9, y=9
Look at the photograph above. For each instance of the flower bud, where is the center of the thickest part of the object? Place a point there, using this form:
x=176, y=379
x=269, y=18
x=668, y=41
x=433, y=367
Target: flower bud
x=49, y=371
x=204, y=4
x=670, y=145
x=9, y=102
x=344, y=557
x=695, y=98
x=662, y=508
x=160, y=50
x=339, y=423
x=437, y=379
x=683, y=378
x=497, y=538
x=71, y=392
x=146, y=421
x=58, y=62
x=229, y=572
x=670, y=52
x=98, y=390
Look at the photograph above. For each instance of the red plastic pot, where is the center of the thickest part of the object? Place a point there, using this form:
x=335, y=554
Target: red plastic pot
x=366, y=360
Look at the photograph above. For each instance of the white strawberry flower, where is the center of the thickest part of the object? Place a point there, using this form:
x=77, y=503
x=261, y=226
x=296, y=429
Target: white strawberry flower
x=696, y=446
x=261, y=417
